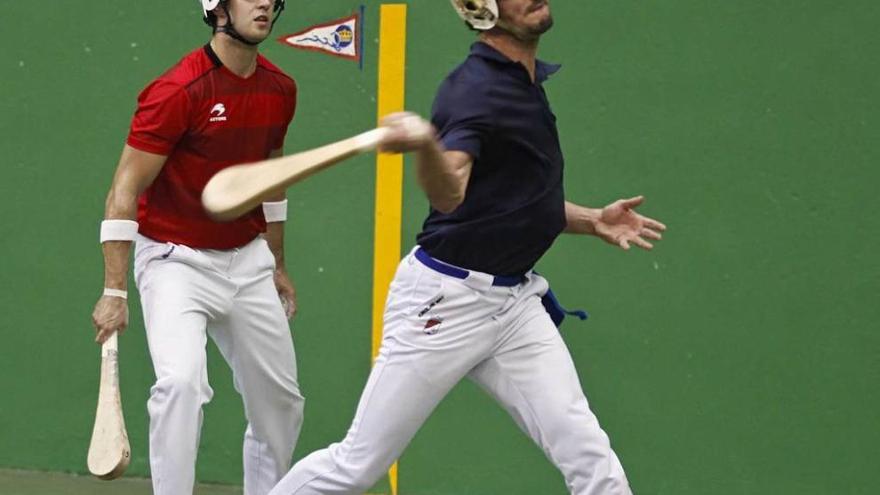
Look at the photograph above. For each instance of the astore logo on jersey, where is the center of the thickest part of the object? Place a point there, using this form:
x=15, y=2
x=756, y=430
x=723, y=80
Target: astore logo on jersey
x=217, y=113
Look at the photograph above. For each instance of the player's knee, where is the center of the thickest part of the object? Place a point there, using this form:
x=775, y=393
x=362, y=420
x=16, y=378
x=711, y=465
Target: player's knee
x=366, y=475
x=292, y=400
x=181, y=387
x=359, y=473
x=291, y=410
x=298, y=403
x=362, y=482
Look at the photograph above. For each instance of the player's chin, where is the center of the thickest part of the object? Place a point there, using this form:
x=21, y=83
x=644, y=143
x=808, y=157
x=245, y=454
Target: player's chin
x=543, y=25
x=259, y=38
x=258, y=33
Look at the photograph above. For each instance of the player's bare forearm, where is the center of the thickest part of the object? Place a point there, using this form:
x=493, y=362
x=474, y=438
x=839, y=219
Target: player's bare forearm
x=116, y=264
x=135, y=172
x=275, y=238
x=121, y=205
x=581, y=219
x=443, y=175
x=111, y=312
x=275, y=230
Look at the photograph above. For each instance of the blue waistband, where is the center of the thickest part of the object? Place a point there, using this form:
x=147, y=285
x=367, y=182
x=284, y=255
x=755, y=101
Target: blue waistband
x=454, y=271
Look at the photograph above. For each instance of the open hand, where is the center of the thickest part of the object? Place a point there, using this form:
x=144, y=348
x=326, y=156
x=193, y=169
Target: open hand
x=620, y=225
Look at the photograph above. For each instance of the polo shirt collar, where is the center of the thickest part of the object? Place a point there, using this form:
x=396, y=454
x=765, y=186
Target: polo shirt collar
x=543, y=70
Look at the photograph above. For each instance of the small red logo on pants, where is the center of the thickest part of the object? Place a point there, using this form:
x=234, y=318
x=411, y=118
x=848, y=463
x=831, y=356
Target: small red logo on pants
x=433, y=326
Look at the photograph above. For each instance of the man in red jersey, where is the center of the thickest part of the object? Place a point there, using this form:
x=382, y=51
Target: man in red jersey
x=223, y=104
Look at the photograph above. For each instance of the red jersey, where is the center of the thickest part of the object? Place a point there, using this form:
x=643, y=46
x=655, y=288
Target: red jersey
x=205, y=118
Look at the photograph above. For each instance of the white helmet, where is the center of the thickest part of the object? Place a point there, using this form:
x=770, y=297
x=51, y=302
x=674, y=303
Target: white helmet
x=209, y=5
x=479, y=14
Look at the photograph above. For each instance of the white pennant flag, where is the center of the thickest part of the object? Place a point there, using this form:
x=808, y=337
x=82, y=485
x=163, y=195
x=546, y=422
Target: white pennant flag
x=340, y=38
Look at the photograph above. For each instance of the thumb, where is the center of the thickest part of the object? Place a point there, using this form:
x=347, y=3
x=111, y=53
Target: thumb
x=632, y=202
x=391, y=118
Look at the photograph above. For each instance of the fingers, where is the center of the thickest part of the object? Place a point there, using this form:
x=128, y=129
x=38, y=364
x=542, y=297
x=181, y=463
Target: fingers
x=407, y=132
x=625, y=242
x=288, y=302
x=632, y=202
x=394, y=141
x=650, y=234
x=653, y=224
x=289, y=306
x=105, y=332
x=392, y=119
x=638, y=241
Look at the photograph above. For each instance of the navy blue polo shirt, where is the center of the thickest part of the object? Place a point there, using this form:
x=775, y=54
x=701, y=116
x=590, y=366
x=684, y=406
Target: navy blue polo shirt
x=514, y=206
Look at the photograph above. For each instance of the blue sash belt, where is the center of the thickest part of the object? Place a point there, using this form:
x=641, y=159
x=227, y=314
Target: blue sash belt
x=454, y=271
x=551, y=304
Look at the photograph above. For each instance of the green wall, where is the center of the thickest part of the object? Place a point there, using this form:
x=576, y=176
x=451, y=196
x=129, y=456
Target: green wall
x=737, y=358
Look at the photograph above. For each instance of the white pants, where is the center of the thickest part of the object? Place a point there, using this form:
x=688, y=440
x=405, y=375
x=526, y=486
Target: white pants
x=438, y=330
x=188, y=294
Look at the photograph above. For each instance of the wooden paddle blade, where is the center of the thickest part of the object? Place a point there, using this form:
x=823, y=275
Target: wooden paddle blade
x=236, y=190
x=109, y=451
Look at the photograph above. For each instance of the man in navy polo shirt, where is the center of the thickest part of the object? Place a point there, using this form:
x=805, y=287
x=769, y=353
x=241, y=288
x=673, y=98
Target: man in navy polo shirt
x=465, y=302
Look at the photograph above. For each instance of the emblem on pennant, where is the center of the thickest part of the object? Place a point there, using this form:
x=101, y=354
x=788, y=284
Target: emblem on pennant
x=340, y=38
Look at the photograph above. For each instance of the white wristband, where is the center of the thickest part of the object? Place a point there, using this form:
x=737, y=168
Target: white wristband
x=115, y=293
x=275, y=211
x=118, y=230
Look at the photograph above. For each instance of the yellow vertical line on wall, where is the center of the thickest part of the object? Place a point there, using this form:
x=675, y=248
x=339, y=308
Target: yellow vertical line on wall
x=389, y=171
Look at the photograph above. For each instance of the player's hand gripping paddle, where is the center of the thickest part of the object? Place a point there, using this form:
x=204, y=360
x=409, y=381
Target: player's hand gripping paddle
x=236, y=190
x=109, y=451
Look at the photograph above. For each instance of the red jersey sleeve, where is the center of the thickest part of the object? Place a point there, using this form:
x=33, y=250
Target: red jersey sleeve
x=161, y=119
x=291, y=111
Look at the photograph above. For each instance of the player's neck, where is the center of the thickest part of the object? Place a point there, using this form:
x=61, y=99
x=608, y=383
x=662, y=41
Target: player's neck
x=239, y=58
x=514, y=48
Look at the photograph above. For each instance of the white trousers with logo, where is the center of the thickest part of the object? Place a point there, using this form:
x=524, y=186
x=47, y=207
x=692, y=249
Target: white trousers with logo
x=188, y=294
x=438, y=330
